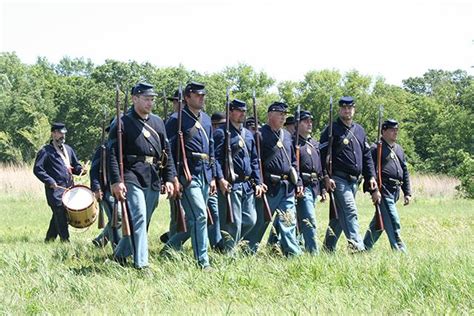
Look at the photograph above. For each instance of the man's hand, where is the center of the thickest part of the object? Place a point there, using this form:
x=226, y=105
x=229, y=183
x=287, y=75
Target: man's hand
x=212, y=187
x=323, y=196
x=376, y=197
x=119, y=190
x=224, y=186
x=299, y=191
x=178, y=188
x=53, y=186
x=98, y=195
x=407, y=200
x=330, y=184
x=169, y=189
x=259, y=190
x=372, y=184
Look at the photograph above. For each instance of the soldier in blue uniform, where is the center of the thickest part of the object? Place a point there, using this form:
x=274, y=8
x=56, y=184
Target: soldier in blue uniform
x=199, y=152
x=55, y=164
x=145, y=151
x=351, y=158
x=99, y=181
x=246, y=168
x=281, y=178
x=311, y=174
x=394, y=176
x=290, y=125
x=214, y=230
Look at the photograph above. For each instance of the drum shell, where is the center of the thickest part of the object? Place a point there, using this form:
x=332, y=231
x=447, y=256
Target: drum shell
x=84, y=217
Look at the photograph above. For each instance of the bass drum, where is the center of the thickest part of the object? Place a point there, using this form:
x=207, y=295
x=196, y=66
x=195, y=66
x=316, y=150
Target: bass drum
x=81, y=206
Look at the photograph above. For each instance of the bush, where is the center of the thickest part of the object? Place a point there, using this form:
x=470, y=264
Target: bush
x=465, y=173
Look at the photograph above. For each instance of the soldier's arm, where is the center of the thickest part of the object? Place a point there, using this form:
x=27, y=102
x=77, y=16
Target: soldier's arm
x=113, y=156
x=254, y=162
x=406, y=176
x=368, y=167
x=169, y=170
x=76, y=166
x=323, y=149
x=219, y=152
x=40, y=171
x=94, y=172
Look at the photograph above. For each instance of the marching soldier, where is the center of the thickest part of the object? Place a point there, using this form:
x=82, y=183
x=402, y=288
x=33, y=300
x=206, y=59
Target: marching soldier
x=351, y=158
x=145, y=151
x=394, y=176
x=311, y=174
x=290, y=125
x=281, y=178
x=199, y=152
x=55, y=164
x=99, y=181
x=214, y=230
x=245, y=162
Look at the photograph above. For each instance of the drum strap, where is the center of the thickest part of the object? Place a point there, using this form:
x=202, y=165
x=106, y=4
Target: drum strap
x=64, y=156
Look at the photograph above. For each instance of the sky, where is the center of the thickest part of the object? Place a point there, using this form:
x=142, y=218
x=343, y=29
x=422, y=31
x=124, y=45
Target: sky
x=394, y=39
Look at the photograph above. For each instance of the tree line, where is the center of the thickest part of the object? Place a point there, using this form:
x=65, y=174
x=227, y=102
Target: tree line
x=435, y=111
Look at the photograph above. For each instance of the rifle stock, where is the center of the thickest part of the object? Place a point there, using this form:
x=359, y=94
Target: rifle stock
x=379, y=226
x=229, y=164
x=267, y=212
x=333, y=214
x=125, y=222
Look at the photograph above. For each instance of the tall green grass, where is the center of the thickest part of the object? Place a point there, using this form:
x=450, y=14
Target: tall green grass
x=435, y=277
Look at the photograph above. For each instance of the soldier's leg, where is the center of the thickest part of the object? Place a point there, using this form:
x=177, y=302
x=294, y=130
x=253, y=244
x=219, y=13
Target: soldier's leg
x=249, y=213
x=286, y=223
x=214, y=230
x=307, y=220
x=60, y=217
x=393, y=228
x=255, y=235
x=233, y=231
x=106, y=234
x=347, y=211
x=195, y=205
x=52, y=232
x=138, y=210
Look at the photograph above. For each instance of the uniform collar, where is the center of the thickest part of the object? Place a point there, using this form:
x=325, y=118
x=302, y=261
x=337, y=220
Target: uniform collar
x=340, y=122
x=135, y=115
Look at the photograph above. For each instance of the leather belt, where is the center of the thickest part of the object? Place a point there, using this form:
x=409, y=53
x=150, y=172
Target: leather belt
x=392, y=181
x=200, y=156
x=309, y=176
x=346, y=176
x=135, y=158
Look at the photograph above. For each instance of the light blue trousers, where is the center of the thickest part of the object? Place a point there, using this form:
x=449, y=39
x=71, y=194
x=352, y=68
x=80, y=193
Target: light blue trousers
x=391, y=222
x=141, y=204
x=347, y=221
x=194, y=201
x=245, y=215
x=285, y=223
x=307, y=220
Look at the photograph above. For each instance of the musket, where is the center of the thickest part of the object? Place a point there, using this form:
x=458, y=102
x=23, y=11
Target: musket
x=165, y=106
x=379, y=226
x=297, y=137
x=125, y=104
x=102, y=169
x=267, y=212
x=123, y=204
x=181, y=164
x=229, y=173
x=333, y=214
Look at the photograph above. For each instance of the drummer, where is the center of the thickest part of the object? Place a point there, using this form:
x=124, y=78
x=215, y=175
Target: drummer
x=55, y=164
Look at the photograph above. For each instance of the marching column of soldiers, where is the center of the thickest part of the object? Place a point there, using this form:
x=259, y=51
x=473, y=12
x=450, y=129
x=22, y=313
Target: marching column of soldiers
x=228, y=179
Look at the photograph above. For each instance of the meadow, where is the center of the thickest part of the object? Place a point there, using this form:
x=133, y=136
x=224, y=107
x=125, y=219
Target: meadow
x=435, y=277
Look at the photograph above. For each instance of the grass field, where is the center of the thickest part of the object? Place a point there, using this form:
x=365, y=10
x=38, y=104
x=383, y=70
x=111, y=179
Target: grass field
x=435, y=277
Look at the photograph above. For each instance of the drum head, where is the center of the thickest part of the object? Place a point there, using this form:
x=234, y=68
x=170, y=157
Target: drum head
x=78, y=198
